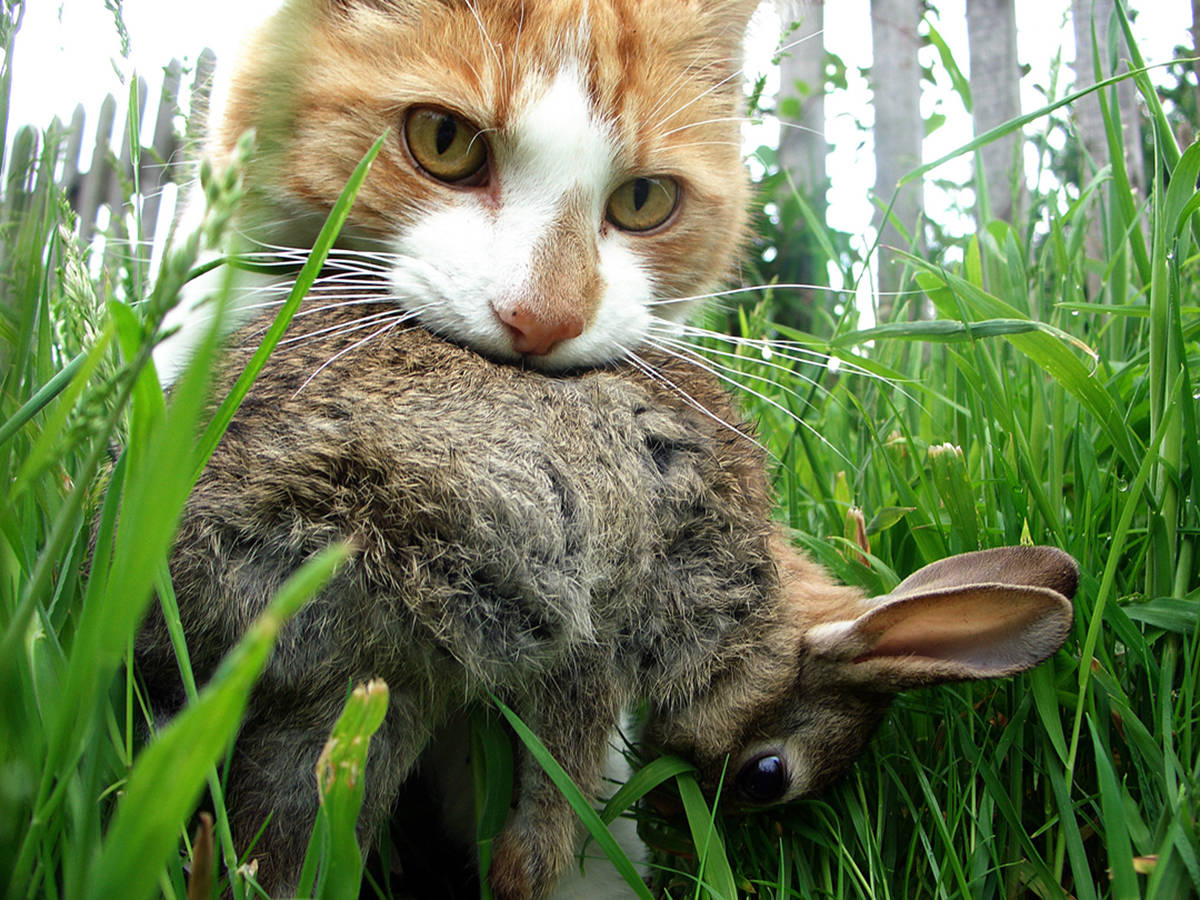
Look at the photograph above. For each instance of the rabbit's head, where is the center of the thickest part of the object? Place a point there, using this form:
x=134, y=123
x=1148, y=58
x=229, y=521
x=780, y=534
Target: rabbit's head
x=787, y=718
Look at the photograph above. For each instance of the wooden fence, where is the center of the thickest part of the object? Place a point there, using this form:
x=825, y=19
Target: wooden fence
x=108, y=182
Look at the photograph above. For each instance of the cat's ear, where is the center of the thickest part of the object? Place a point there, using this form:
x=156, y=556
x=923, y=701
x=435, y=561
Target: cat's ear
x=977, y=615
x=726, y=22
x=401, y=9
x=733, y=15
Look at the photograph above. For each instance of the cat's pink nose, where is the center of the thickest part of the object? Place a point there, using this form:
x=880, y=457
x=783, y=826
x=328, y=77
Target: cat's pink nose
x=538, y=334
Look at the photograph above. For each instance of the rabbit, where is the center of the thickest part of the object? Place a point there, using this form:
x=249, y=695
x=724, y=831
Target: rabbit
x=793, y=713
x=568, y=543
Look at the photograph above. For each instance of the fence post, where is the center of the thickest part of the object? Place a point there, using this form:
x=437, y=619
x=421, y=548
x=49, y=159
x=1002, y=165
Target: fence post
x=94, y=184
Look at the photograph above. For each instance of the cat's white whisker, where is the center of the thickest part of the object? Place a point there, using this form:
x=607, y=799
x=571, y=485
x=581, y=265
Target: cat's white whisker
x=716, y=87
x=487, y=38
x=790, y=351
x=796, y=126
x=656, y=375
x=338, y=328
x=343, y=328
x=739, y=373
x=366, y=299
x=765, y=352
x=771, y=350
x=698, y=124
x=302, y=253
x=707, y=144
x=738, y=74
x=800, y=40
x=671, y=91
x=297, y=256
x=351, y=278
x=750, y=289
x=688, y=354
x=384, y=330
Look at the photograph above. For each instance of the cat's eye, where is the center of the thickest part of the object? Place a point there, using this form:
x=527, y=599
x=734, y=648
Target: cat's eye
x=447, y=147
x=643, y=203
x=763, y=779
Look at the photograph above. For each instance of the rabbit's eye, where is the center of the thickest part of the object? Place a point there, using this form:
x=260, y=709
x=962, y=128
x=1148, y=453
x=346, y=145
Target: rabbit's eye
x=763, y=779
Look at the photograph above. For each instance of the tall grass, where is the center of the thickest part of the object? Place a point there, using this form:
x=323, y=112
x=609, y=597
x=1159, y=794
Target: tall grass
x=96, y=468
x=1022, y=411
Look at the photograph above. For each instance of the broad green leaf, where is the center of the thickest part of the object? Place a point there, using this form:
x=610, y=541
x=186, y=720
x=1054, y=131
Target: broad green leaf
x=1169, y=613
x=716, y=875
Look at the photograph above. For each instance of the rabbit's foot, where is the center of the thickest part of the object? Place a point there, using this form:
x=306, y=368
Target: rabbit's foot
x=526, y=866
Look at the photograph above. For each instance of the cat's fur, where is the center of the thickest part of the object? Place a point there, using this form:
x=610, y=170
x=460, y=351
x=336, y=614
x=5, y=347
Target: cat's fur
x=572, y=99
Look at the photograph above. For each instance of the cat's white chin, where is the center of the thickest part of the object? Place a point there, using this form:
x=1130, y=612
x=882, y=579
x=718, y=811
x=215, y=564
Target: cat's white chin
x=595, y=347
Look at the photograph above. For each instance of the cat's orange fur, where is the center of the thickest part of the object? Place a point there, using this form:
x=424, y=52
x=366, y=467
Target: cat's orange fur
x=326, y=77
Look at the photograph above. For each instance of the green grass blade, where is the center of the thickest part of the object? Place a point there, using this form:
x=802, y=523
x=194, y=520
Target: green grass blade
x=591, y=820
x=341, y=774
x=304, y=280
x=46, y=393
x=492, y=778
x=1116, y=835
x=1020, y=122
x=1048, y=351
x=642, y=782
x=714, y=872
x=170, y=773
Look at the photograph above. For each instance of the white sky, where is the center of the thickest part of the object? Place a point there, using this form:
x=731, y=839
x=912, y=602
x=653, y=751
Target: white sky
x=68, y=52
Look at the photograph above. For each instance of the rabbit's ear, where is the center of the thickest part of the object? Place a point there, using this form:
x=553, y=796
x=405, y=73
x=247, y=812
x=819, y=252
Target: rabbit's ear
x=978, y=615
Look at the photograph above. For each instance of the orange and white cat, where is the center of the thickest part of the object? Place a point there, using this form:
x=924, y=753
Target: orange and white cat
x=562, y=178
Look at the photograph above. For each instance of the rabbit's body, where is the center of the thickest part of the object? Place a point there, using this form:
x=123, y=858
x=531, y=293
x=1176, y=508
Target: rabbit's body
x=568, y=543
x=571, y=544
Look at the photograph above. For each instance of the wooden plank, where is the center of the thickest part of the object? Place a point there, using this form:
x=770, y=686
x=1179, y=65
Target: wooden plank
x=162, y=149
x=74, y=143
x=183, y=166
x=94, y=184
x=167, y=158
x=200, y=100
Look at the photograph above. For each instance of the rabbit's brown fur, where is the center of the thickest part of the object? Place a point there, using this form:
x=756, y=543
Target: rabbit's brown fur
x=569, y=543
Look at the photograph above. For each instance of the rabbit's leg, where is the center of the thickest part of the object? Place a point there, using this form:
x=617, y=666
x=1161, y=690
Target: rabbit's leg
x=272, y=780
x=574, y=718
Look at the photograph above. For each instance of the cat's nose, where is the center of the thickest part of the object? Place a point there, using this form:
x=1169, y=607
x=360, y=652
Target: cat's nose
x=538, y=334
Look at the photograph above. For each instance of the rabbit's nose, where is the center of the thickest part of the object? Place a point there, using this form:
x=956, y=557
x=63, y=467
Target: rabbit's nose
x=539, y=334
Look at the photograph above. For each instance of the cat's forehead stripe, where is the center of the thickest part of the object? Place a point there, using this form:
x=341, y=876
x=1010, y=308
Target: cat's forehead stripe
x=560, y=131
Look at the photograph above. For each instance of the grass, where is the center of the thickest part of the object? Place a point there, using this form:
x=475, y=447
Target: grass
x=1023, y=411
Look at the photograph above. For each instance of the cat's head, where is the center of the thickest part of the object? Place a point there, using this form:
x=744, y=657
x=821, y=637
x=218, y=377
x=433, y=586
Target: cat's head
x=559, y=174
